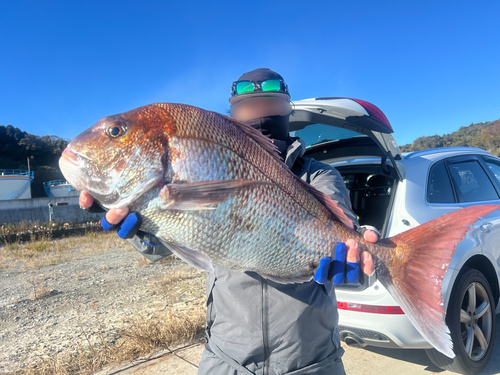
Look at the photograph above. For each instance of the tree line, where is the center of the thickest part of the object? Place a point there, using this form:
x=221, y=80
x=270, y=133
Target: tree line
x=17, y=146
x=485, y=135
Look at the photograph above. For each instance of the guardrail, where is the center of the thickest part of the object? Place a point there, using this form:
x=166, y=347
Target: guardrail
x=16, y=172
x=55, y=183
x=49, y=184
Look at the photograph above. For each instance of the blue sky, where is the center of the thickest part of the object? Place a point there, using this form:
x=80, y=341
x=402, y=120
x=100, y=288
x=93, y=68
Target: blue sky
x=431, y=66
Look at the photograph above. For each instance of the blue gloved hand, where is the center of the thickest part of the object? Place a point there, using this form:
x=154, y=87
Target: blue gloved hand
x=127, y=228
x=341, y=271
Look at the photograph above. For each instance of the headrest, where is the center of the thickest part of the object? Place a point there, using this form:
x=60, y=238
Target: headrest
x=378, y=181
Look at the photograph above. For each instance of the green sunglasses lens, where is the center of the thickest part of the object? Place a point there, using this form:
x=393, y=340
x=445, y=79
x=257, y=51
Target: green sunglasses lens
x=244, y=87
x=271, y=85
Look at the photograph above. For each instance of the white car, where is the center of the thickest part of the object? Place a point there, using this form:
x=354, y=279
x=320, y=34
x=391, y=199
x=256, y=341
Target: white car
x=395, y=192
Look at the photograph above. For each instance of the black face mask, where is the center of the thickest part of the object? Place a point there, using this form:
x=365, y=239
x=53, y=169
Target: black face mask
x=276, y=127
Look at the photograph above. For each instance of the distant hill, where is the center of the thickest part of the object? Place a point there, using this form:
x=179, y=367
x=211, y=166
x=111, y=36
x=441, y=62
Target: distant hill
x=17, y=146
x=485, y=135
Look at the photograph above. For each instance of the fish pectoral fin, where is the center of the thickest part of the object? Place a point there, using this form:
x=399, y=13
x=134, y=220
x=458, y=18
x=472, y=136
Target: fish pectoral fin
x=287, y=280
x=191, y=257
x=202, y=195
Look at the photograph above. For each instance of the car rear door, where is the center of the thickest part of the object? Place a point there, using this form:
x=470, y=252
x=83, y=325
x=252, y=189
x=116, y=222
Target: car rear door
x=491, y=226
x=342, y=128
x=476, y=182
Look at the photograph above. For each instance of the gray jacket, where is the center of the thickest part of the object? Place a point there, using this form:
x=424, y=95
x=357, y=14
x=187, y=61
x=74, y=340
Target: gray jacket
x=256, y=326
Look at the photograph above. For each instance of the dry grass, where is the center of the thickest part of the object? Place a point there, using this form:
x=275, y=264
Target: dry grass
x=23, y=226
x=143, y=262
x=173, y=278
x=33, y=231
x=34, y=227
x=182, y=318
x=39, y=246
x=147, y=334
x=141, y=335
x=45, y=251
x=41, y=292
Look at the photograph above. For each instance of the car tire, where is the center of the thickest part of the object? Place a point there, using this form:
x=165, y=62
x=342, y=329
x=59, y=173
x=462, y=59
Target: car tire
x=472, y=337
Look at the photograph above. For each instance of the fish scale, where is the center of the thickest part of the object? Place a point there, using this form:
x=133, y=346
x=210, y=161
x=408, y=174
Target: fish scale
x=216, y=191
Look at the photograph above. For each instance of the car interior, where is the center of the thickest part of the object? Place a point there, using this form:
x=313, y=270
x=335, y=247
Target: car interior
x=370, y=193
x=371, y=186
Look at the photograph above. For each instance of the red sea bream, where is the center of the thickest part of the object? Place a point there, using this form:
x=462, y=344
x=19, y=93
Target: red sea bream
x=215, y=191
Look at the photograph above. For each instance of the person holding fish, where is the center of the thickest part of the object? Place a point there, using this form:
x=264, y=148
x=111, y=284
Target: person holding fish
x=256, y=324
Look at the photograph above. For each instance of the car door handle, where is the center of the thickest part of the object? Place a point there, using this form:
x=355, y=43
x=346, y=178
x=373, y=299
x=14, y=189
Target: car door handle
x=486, y=226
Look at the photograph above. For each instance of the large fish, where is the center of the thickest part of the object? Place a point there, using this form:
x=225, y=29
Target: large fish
x=216, y=191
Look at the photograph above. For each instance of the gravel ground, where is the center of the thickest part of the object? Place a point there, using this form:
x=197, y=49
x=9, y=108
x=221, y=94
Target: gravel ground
x=89, y=299
x=367, y=361
x=82, y=301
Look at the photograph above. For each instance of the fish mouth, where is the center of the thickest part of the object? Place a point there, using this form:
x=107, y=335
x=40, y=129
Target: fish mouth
x=107, y=189
x=72, y=165
x=73, y=157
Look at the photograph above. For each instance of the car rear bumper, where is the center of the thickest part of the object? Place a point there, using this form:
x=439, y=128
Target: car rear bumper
x=376, y=329
x=389, y=331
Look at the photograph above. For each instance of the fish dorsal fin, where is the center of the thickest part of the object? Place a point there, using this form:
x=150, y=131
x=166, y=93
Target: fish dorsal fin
x=267, y=144
x=264, y=141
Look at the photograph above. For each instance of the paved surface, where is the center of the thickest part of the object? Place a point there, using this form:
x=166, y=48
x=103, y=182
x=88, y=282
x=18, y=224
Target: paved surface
x=368, y=361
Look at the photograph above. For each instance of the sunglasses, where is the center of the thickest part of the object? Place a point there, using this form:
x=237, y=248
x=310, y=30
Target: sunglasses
x=245, y=87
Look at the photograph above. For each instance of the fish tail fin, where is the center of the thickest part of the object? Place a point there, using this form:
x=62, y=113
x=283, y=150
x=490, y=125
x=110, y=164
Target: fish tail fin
x=415, y=268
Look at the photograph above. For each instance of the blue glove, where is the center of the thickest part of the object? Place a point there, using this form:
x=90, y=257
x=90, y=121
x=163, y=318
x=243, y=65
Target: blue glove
x=127, y=228
x=341, y=271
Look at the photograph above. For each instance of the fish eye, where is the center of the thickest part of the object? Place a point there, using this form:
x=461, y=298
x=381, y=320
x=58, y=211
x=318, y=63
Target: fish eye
x=116, y=131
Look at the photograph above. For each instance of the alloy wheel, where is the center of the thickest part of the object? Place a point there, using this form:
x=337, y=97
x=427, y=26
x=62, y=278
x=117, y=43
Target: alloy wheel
x=475, y=321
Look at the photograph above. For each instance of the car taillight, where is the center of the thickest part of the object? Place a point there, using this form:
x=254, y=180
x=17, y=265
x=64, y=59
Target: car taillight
x=375, y=112
x=369, y=308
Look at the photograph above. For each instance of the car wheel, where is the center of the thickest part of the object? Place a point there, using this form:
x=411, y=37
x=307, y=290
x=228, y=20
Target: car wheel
x=471, y=319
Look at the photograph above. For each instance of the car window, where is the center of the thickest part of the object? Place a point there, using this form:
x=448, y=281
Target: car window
x=439, y=186
x=315, y=134
x=494, y=167
x=472, y=182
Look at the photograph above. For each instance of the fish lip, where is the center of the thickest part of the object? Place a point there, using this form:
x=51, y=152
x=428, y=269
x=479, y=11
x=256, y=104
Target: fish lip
x=73, y=157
